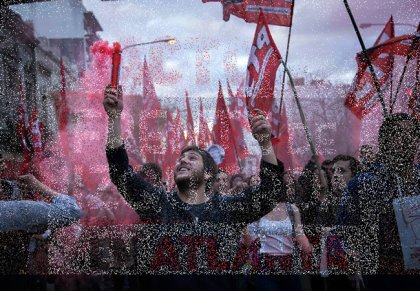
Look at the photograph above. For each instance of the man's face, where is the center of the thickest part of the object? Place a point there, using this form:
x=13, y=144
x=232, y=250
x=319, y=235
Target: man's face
x=341, y=175
x=189, y=168
x=255, y=180
x=221, y=183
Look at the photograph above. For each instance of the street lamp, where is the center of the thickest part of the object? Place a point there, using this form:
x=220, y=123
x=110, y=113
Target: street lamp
x=170, y=41
x=136, y=113
x=367, y=25
x=116, y=57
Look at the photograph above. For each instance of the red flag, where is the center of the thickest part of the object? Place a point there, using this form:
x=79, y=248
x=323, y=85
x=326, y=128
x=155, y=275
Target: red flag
x=190, y=122
x=151, y=120
x=62, y=108
x=281, y=143
x=204, y=134
x=172, y=149
x=263, y=62
x=387, y=33
x=22, y=126
x=180, y=141
x=278, y=12
x=222, y=131
x=237, y=117
x=363, y=96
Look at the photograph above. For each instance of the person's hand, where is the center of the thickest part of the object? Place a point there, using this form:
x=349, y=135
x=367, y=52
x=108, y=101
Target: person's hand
x=113, y=103
x=261, y=128
x=29, y=183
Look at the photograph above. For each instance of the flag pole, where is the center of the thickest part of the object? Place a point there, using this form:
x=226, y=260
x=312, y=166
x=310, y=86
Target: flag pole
x=285, y=62
x=366, y=58
x=302, y=115
x=407, y=60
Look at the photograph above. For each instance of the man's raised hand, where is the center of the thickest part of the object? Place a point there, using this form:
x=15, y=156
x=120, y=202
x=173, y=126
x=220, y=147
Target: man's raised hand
x=261, y=128
x=113, y=103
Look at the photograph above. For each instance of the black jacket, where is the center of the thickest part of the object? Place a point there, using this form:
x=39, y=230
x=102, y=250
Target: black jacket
x=154, y=204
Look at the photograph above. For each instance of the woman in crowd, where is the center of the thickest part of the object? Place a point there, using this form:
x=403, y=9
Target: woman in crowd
x=279, y=232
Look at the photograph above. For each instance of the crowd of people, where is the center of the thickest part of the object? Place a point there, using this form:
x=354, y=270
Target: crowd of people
x=334, y=221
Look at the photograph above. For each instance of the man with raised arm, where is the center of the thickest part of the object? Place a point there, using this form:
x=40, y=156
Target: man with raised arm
x=195, y=171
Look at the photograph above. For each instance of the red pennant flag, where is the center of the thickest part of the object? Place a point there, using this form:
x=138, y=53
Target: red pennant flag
x=263, y=62
x=387, y=33
x=22, y=126
x=237, y=118
x=279, y=12
x=151, y=120
x=190, y=122
x=363, y=97
x=171, y=149
x=62, y=108
x=204, y=135
x=180, y=141
x=222, y=131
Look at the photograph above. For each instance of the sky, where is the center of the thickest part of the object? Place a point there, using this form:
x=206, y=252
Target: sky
x=323, y=41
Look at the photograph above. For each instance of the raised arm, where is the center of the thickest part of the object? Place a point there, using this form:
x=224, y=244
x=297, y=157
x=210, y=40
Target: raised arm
x=255, y=202
x=261, y=130
x=113, y=106
x=141, y=195
x=36, y=216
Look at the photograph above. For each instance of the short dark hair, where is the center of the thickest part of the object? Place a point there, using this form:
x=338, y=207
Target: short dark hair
x=354, y=164
x=154, y=168
x=233, y=177
x=210, y=166
x=221, y=171
x=390, y=126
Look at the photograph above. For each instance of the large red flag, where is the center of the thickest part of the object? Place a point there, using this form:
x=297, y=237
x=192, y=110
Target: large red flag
x=363, y=97
x=151, y=120
x=204, y=135
x=222, y=131
x=237, y=117
x=264, y=60
x=190, y=122
x=278, y=12
x=22, y=129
